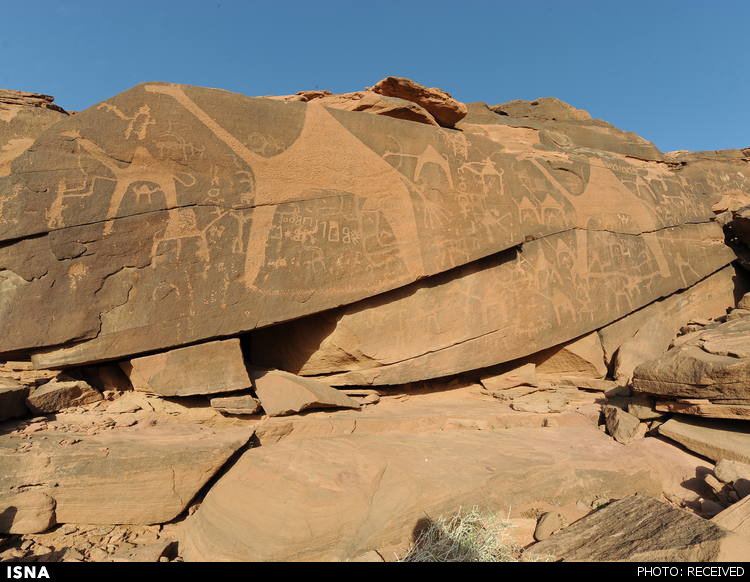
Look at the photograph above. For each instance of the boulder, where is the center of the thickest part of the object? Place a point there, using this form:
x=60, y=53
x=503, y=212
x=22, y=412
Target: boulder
x=12, y=399
x=641, y=529
x=715, y=439
x=281, y=393
x=370, y=491
x=371, y=102
x=56, y=395
x=714, y=364
x=623, y=427
x=444, y=108
x=560, y=287
x=128, y=476
x=208, y=368
x=236, y=404
x=26, y=512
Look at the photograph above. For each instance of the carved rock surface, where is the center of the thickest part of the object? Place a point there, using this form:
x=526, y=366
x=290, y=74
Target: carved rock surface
x=207, y=368
x=137, y=476
x=711, y=297
x=250, y=212
x=642, y=529
x=358, y=495
x=496, y=310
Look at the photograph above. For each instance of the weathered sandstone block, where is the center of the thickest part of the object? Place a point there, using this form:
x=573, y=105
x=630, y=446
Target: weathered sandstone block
x=282, y=393
x=26, y=512
x=56, y=395
x=207, y=368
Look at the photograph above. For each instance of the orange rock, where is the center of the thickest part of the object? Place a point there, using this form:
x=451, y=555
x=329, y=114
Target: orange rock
x=444, y=108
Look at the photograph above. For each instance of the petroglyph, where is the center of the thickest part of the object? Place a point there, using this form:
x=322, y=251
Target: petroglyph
x=492, y=311
x=221, y=213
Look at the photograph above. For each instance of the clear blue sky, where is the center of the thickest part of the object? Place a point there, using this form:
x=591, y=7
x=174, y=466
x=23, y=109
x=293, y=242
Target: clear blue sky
x=675, y=71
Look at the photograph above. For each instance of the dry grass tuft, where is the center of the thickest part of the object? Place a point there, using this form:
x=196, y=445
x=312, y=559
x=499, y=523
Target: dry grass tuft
x=468, y=536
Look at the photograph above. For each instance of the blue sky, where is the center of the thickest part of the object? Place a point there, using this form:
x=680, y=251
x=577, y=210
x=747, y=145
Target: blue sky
x=676, y=72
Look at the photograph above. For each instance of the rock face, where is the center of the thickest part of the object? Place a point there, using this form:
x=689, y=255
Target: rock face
x=715, y=439
x=207, y=368
x=56, y=395
x=282, y=393
x=444, y=108
x=136, y=476
x=273, y=210
x=371, y=102
x=560, y=287
x=642, y=529
x=357, y=495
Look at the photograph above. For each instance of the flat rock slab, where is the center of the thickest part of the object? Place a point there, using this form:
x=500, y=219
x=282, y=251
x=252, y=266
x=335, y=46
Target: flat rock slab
x=715, y=439
x=496, y=310
x=208, y=368
x=642, y=529
x=365, y=492
x=281, y=393
x=134, y=476
x=57, y=395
